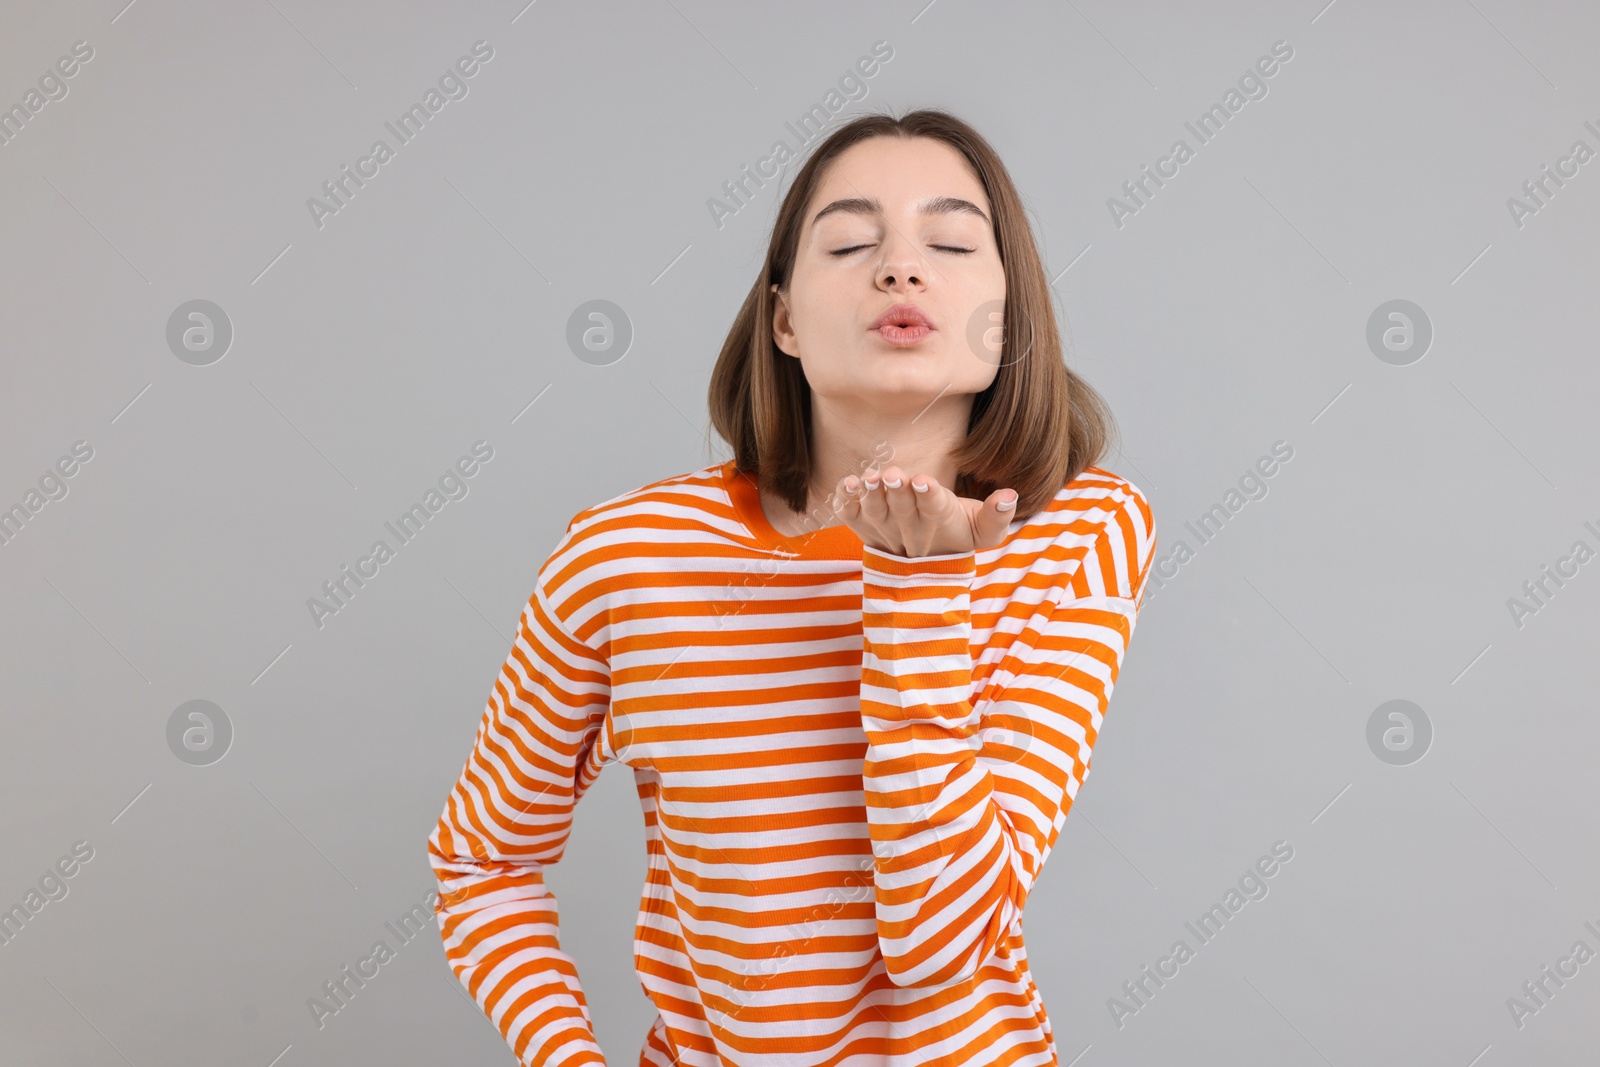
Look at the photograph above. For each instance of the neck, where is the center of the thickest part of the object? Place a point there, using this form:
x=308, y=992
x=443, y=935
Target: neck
x=848, y=436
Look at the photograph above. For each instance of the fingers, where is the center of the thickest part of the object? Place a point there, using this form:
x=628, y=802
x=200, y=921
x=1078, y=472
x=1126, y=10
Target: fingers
x=915, y=512
x=994, y=518
x=847, y=498
x=889, y=496
x=874, y=497
x=899, y=498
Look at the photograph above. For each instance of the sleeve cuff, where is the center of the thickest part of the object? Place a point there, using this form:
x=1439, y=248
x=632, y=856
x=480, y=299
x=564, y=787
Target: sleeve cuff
x=886, y=568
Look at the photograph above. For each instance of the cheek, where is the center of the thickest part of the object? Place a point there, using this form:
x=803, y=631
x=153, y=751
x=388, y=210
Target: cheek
x=829, y=369
x=825, y=319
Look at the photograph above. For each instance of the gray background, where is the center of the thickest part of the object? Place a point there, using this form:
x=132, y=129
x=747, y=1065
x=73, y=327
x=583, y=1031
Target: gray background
x=1230, y=313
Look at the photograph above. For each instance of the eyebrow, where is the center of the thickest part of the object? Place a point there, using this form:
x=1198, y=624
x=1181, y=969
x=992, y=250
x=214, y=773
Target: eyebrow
x=938, y=205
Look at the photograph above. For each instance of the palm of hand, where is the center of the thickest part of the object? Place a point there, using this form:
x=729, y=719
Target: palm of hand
x=888, y=513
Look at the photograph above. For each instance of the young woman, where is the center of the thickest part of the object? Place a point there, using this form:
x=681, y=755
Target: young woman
x=857, y=670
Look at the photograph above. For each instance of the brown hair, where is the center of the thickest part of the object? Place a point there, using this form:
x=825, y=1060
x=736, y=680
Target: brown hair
x=1035, y=428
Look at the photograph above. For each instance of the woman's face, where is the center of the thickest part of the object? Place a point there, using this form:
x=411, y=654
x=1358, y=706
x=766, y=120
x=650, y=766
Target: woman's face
x=895, y=221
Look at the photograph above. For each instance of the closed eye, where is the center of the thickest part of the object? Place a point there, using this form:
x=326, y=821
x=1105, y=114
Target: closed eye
x=941, y=248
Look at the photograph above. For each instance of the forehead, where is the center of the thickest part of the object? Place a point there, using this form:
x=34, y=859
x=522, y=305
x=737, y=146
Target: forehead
x=900, y=173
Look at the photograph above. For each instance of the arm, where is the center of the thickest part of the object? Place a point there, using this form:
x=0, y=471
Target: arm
x=961, y=821
x=507, y=817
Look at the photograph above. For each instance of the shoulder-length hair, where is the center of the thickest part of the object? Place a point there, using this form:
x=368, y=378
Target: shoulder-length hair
x=1034, y=429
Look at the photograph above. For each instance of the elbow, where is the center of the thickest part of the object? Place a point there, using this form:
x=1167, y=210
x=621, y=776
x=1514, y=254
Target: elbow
x=927, y=978
x=918, y=951
x=928, y=956
x=444, y=859
x=454, y=871
x=903, y=978
x=915, y=969
x=900, y=975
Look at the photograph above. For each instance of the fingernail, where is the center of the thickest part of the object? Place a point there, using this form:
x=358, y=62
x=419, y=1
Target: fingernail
x=919, y=488
x=894, y=484
x=1006, y=505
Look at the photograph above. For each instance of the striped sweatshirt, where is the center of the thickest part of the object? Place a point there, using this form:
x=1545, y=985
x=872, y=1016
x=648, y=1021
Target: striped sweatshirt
x=852, y=766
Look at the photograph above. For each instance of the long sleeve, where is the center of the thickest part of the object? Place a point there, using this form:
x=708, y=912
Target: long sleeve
x=966, y=793
x=508, y=816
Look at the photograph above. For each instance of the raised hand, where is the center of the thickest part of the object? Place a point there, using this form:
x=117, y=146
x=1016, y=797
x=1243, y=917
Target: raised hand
x=916, y=516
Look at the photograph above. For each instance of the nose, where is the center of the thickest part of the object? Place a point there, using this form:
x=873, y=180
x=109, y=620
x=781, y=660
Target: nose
x=902, y=266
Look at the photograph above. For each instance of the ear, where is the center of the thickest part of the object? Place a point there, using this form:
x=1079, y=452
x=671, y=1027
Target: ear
x=782, y=328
